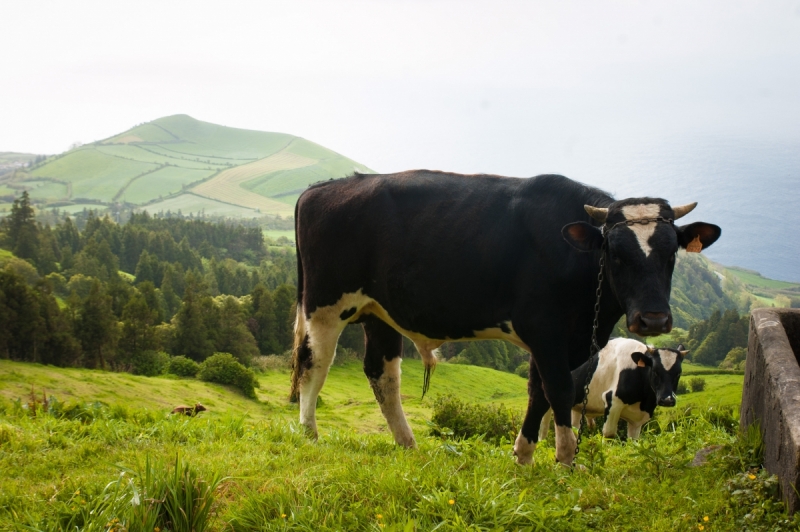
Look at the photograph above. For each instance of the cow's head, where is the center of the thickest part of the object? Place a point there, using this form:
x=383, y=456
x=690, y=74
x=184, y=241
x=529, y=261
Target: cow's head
x=641, y=243
x=664, y=371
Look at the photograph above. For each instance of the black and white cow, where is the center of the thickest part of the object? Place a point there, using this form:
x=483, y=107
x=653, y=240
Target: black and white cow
x=629, y=379
x=438, y=257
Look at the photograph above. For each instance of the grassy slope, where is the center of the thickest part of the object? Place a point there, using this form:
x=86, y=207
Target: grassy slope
x=161, y=158
x=276, y=479
x=347, y=398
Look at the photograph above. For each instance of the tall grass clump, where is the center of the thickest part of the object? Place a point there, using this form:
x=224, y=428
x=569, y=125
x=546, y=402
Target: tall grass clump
x=223, y=368
x=452, y=416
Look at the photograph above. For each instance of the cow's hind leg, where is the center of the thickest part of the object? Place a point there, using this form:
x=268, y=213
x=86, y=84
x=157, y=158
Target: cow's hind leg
x=316, y=339
x=382, y=367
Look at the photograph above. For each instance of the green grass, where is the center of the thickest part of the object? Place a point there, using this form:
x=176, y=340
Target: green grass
x=187, y=203
x=88, y=465
x=274, y=234
x=5, y=255
x=163, y=182
x=755, y=279
x=78, y=207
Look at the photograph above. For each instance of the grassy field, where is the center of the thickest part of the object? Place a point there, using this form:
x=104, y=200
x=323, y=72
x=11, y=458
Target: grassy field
x=757, y=280
x=163, y=182
x=156, y=160
x=187, y=203
x=246, y=465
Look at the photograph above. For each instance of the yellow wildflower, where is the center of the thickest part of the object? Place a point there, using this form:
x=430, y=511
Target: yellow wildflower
x=701, y=527
x=379, y=516
x=751, y=476
x=451, y=501
x=283, y=516
x=705, y=518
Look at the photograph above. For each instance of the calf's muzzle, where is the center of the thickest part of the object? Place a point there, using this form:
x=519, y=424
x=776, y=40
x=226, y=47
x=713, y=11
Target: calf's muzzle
x=667, y=401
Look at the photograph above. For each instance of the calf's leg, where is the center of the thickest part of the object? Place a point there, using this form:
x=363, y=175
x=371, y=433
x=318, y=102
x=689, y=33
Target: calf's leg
x=614, y=406
x=382, y=367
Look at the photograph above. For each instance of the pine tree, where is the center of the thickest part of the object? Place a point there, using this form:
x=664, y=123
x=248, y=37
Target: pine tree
x=284, y=297
x=22, y=229
x=95, y=327
x=263, y=323
x=137, y=330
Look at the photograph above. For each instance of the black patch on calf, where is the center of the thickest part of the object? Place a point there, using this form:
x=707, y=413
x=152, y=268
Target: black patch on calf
x=347, y=314
x=609, y=397
x=634, y=387
x=504, y=327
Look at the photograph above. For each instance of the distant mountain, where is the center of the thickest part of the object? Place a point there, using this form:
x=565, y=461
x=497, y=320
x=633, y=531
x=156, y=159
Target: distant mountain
x=179, y=163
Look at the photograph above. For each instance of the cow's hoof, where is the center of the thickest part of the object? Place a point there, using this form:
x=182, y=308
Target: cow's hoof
x=523, y=450
x=565, y=445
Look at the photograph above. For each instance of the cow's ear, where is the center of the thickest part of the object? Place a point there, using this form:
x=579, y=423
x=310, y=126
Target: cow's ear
x=682, y=352
x=697, y=236
x=642, y=359
x=582, y=236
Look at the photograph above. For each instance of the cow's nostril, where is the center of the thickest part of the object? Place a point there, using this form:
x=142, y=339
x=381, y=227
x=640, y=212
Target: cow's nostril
x=667, y=401
x=658, y=322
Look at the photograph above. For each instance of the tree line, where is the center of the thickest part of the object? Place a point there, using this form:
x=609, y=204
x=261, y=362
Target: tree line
x=109, y=295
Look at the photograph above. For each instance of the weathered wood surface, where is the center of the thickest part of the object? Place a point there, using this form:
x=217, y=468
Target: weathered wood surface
x=771, y=395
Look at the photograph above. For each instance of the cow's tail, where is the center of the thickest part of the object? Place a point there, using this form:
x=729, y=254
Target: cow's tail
x=300, y=317
x=299, y=338
x=429, y=360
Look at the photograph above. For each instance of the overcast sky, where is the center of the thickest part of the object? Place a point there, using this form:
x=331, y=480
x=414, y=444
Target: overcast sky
x=515, y=88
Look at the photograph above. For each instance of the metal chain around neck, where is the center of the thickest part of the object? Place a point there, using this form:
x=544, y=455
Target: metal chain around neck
x=594, y=348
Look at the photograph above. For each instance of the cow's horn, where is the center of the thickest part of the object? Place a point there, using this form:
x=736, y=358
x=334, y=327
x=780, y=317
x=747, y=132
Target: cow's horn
x=598, y=213
x=682, y=210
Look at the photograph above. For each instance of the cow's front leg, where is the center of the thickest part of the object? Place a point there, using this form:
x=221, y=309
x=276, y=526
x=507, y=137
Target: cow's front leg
x=558, y=388
x=382, y=361
x=525, y=444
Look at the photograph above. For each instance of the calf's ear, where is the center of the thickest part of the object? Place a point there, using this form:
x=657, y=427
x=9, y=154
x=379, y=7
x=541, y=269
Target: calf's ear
x=682, y=352
x=697, y=236
x=582, y=236
x=642, y=359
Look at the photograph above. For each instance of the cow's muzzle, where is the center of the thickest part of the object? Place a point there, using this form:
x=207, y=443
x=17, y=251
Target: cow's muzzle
x=668, y=401
x=651, y=323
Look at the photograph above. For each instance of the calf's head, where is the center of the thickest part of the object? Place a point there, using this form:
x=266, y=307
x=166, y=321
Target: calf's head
x=663, y=367
x=640, y=248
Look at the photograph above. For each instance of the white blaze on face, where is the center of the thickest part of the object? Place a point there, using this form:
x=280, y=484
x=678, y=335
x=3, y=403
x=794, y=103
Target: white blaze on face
x=642, y=232
x=668, y=358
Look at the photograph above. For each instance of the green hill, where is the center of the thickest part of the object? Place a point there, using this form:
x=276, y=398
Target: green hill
x=179, y=163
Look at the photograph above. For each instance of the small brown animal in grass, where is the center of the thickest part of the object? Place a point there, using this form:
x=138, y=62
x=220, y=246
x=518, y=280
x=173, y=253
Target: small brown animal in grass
x=189, y=410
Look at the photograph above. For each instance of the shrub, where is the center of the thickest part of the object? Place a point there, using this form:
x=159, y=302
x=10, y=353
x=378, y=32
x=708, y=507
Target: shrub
x=150, y=363
x=182, y=366
x=522, y=369
x=265, y=363
x=470, y=419
x=682, y=388
x=223, y=368
x=697, y=384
